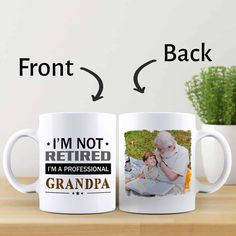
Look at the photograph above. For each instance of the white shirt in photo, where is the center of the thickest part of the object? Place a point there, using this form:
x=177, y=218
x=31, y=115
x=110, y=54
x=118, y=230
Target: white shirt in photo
x=178, y=163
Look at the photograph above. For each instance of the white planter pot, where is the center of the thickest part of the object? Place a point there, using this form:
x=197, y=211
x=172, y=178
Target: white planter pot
x=212, y=154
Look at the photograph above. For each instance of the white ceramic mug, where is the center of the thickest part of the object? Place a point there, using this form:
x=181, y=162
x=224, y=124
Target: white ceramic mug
x=157, y=167
x=77, y=162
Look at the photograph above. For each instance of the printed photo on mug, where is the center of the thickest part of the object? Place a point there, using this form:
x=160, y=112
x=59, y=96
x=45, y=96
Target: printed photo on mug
x=157, y=162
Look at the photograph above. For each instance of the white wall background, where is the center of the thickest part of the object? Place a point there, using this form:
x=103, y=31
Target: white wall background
x=112, y=38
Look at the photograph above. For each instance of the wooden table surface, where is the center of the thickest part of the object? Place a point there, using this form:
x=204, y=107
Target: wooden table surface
x=19, y=215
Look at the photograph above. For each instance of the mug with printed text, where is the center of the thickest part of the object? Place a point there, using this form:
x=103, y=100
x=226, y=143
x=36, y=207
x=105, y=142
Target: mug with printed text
x=157, y=166
x=76, y=162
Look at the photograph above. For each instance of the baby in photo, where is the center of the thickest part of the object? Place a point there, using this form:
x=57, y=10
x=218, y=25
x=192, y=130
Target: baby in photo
x=149, y=171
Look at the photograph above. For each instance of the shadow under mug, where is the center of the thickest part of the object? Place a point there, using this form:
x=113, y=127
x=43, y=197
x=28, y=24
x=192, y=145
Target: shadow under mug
x=77, y=172
x=157, y=164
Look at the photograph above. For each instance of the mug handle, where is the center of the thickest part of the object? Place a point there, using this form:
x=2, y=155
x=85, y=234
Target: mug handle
x=210, y=188
x=24, y=188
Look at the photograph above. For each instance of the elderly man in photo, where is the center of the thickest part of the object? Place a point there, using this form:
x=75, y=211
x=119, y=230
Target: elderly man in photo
x=172, y=160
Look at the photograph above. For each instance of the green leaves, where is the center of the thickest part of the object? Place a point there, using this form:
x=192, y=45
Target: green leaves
x=213, y=95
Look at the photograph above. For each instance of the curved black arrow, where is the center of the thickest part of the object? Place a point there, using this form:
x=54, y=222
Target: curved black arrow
x=138, y=87
x=98, y=95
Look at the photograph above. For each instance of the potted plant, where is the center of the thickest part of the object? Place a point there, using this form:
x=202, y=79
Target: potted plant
x=213, y=96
